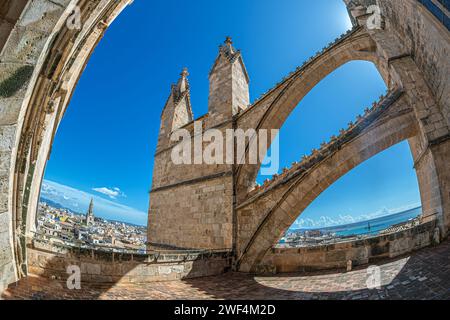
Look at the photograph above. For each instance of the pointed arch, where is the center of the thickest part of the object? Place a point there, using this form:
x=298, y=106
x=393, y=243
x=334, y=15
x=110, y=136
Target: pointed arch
x=272, y=110
x=267, y=214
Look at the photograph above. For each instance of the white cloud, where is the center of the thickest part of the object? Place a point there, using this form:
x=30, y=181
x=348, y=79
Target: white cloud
x=112, y=193
x=108, y=192
x=78, y=201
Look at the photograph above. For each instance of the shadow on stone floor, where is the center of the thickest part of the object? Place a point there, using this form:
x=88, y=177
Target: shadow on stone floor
x=424, y=274
x=101, y=272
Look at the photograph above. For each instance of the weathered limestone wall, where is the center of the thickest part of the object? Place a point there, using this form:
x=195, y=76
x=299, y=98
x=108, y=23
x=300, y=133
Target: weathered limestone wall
x=183, y=115
x=429, y=42
x=260, y=224
x=7, y=267
x=228, y=85
x=40, y=63
x=37, y=48
x=177, y=112
x=441, y=154
x=424, y=76
x=220, y=92
x=191, y=205
x=428, y=179
x=415, y=47
x=271, y=210
x=10, y=11
x=107, y=267
x=425, y=38
x=25, y=29
x=360, y=252
x=167, y=173
x=274, y=107
x=241, y=94
x=195, y=215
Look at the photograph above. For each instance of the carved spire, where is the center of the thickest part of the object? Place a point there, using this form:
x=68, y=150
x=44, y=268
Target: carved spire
x=178, y=111
x=184, y=73
x=229, y=81
x=182, y=85
x=228, y=45
x=90, y=213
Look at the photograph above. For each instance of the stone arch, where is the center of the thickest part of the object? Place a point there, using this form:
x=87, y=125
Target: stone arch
x=429, y=146
x=41, y=61
x=281, y=206
x=274, y=108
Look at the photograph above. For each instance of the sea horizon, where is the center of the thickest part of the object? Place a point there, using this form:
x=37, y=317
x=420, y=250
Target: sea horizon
x=361, y=227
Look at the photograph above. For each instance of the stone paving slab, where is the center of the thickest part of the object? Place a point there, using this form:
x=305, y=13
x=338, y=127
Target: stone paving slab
x=422, y=275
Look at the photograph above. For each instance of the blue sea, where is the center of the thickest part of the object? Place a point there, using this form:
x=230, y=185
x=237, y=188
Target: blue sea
x=370, y=227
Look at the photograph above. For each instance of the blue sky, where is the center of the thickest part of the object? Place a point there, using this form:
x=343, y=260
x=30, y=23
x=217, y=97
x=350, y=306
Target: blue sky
x=106, y=141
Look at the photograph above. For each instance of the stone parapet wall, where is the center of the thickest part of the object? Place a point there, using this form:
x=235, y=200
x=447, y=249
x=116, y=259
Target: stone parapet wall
x=108, y=267
x=360, y=252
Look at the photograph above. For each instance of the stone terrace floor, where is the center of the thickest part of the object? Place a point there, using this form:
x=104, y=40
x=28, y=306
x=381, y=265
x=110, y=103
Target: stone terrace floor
x=422, y=275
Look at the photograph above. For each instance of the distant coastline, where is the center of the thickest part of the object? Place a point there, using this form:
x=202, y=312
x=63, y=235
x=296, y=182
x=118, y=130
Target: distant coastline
x=354, y=228
x=362, y=227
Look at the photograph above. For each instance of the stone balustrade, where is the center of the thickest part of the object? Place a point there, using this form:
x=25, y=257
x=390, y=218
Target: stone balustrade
x=52, y=260
x=359, y=252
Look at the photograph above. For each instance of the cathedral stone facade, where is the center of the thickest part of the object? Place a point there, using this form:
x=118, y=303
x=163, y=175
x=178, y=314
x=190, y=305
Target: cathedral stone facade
x=219, y=206
x=191, y=206
x=204, y=206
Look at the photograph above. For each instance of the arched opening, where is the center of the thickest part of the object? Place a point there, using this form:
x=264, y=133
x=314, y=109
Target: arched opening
x=378, y=194
x=92, y=151
x=376, y=188
x=29, y=138
x=277, y=203
x=279, y=103
x=287, y=196
x=46, y=56
x=57, y=71
x=326, y=109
